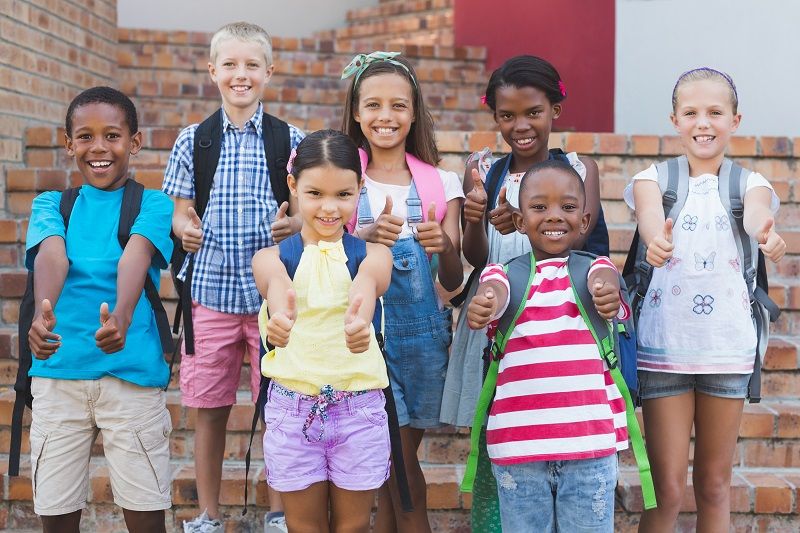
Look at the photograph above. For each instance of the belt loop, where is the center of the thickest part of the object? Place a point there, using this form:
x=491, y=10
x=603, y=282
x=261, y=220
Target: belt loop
x=296, y=407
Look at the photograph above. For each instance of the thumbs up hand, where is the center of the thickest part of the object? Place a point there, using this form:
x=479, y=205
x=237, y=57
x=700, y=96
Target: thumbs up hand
x=500, y=216
x=111, y=336
x=659, y=251
x=770, y=242
x=475, y=202
x=280, y=323
x=386, y=230
x=606, y=298
x=482, y=309
x=356, y=329
x=282, y=226
x=430, y=234
x=192, y=236
x=41, y=339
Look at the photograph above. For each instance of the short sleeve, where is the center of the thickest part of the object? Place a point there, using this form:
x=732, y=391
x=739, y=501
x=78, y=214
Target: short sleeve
x=650, y=174
x=179, y=174
x=451, y=183
x=757, y=180
x=576, y=163
x=295, y=136
x=45, y=221
x=154, y=223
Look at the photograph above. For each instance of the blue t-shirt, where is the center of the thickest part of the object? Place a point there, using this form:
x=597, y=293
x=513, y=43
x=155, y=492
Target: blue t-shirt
x=94, y=252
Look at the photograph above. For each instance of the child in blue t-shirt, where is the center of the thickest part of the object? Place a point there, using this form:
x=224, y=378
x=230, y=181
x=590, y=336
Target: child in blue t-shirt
x=98, y=365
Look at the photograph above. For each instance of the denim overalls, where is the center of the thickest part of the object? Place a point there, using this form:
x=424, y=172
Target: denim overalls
x=417, y=332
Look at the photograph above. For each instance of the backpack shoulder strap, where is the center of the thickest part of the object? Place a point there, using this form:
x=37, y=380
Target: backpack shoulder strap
x=68, y=198
x=289, y=251
x=277, y=141
x=673, y=180
x=205, y=157
x=520, y=272
x=732, y=187
x=579, y=264
x=560, y=155
x=494, y=177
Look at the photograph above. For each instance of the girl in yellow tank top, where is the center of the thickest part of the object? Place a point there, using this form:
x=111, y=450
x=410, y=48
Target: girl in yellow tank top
x=327, y=439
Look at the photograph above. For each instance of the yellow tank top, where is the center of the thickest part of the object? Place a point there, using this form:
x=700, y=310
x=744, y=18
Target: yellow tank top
x=317, y=354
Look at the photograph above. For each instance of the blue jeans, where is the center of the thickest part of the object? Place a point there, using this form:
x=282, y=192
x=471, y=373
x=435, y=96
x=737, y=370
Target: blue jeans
x=551, y=496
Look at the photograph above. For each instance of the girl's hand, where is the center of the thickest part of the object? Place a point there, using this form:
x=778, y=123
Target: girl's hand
x=356, y=329
x=192, y=236
x=476, y=200
x=280, y=324
x=481, y=309
x=386, y=230
x=282, y=227
x=41, y=339
x=606, y=299
x=431, y=236
x=500, y=216
x=770, y=242
x=660, y=248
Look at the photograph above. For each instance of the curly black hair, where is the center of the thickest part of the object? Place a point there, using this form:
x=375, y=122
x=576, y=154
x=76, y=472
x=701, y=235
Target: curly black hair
x=103, y=95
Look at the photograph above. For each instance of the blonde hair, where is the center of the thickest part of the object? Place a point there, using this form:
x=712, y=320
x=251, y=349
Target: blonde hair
x=706, y=73
x=242, y=31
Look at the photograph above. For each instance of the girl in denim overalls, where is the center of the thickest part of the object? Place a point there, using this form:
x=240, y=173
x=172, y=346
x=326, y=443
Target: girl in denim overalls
x=413, y=208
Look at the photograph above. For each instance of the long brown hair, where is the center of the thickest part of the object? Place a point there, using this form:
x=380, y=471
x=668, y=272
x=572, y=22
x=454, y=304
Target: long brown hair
x=420, y=141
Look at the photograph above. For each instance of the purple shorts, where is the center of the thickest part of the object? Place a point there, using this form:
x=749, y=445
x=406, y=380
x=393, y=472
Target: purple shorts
x=353, y=452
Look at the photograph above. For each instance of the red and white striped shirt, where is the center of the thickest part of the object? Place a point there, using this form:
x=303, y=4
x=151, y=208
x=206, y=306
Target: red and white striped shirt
x=555, y=398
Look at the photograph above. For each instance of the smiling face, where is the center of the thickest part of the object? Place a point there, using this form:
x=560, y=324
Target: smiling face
x=326, y=196
x=704, y=118
x=525, y=116
x=551, y=212
x=241, y=72
x=385, y=110
x=101, y=143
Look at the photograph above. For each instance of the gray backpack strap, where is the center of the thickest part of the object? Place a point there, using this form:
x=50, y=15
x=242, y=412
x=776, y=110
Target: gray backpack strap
x=674, y=190
x=578, y=266
x=520, y=274
x=733, y=181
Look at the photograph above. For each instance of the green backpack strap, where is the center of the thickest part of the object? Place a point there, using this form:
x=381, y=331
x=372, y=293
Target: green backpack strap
x=603, y=332
x=520, y=271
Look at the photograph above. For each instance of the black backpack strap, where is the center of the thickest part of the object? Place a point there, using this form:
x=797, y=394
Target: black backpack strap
x=494, y=177
x=277, y=140
x=22, y=385
x=205, y=157
x=131, y=205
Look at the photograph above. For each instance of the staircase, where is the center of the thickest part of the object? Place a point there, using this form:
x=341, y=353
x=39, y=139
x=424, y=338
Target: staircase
x=166, y=74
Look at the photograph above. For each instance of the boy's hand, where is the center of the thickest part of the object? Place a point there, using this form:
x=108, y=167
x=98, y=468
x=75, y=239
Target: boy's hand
x=386, y=230
x=481, y=309
x=476, y=200
x=280, y=324
x=660, y=248
x=431, y=236
x=282, y=227
x=41, y=339
x=192, y=236
x=606, y=299
x=111, y=336
x=770, y=242
x=356, y=329
x=500, y=216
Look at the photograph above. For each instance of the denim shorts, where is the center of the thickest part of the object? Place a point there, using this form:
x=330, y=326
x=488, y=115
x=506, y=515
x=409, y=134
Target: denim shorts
x=662, y=384
x=550, y=496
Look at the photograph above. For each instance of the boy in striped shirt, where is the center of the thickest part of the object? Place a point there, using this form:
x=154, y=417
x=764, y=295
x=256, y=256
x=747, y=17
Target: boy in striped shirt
x=557, y=419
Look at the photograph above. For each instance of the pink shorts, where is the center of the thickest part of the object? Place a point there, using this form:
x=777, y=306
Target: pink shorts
x=211, y=376
x=353, y=452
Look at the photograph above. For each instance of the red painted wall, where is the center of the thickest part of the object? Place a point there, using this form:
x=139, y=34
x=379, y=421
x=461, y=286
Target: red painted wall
x=576, y=36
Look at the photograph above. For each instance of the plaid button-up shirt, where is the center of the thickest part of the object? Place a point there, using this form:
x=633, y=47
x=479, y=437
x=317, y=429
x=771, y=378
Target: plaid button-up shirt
x=237, y=222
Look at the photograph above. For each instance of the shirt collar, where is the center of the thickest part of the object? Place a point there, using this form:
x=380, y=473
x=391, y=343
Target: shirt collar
x=255, y=121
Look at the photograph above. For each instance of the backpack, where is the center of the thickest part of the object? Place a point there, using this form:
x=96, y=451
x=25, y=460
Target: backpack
x=355, y=249
x=205, y=156
x=131, y=203
x=673, y=180
x=610, y=336
x=596, y=242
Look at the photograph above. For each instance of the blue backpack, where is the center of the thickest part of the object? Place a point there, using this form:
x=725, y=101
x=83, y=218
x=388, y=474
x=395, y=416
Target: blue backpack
x=355, y=249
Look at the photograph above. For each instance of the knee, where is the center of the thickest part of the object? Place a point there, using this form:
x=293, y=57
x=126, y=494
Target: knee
x=712, y=489
x=669, y=494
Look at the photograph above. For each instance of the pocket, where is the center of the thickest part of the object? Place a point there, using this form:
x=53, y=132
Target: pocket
x=444, y=330
x=375, y=415
x=406, y=286
x=154, y=440
x=273, y=417
x=38, y=441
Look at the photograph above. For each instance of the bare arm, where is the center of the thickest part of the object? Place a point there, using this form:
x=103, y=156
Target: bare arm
x=186, y=224
x=476, y=243
x=488, y=300
x=131, y=271
x=372, y=280
x=50, y=270
x=654, y=231
x=276, y=287
x=760, y=223
x=451, y=271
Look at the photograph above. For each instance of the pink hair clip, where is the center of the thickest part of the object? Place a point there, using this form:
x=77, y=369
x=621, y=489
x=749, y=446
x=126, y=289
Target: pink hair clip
x=483, y=99
x=289, y=165
x=562, y=88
